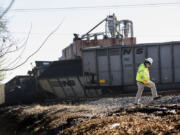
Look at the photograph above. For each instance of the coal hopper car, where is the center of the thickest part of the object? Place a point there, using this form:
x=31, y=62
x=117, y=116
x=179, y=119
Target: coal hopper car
x=117, y=66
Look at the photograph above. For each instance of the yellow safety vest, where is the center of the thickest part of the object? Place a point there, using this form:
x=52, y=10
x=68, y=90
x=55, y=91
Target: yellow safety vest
x=142, y=74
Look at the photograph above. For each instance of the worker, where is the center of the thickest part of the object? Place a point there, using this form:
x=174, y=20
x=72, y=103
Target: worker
x=143, y=79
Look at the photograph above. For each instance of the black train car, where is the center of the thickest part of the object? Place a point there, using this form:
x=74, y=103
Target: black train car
x=19, y=90
x=25, y=89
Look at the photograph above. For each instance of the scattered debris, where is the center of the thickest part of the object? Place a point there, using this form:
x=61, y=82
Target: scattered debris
x=104, y=116
x=114, y=125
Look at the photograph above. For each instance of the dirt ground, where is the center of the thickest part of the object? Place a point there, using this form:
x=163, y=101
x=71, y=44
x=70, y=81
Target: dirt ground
x=93, y=118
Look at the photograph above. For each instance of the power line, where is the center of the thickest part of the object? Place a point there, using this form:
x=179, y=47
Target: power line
x=39, y=33
x=95, y=7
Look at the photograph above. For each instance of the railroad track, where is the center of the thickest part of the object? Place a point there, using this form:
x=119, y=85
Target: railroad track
x=110, y=95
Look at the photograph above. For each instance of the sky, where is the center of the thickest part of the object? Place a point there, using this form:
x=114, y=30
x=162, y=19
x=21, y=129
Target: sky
x=152, y=23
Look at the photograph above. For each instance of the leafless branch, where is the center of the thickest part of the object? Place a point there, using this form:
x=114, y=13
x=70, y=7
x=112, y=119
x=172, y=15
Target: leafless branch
x=20, y=55
x=6, y=47
x=7, y=9
x=43, y=43
x=7, y=50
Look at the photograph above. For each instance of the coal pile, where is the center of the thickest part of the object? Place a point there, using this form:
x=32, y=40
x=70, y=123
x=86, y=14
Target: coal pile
x=100, y=117
x=132, y=121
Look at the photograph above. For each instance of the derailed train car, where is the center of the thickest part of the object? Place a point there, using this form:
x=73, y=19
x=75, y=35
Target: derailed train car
x=24, y=89
x=97, y=63
x=65, y=79
x=20, y=89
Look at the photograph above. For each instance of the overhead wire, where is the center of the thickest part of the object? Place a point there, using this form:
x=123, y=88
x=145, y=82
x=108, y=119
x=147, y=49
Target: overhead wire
x=39, y=33
x=95, y=7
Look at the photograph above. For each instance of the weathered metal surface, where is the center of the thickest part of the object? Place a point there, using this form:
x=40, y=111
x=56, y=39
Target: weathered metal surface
x=74, y=50
x=117, y=65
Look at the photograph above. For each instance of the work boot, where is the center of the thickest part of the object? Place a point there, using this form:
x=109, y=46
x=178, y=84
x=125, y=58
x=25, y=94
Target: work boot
x=136, y=104
x=158, y=97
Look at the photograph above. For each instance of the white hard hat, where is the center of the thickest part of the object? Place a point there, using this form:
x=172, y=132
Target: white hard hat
x=150, y=60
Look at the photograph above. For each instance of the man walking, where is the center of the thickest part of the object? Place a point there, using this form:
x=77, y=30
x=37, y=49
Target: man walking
x=143, y=79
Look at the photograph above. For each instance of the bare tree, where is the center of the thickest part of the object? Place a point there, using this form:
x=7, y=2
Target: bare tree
x=8, y=49
x=36, y=51
x=5, y=41
x=7, y=46
x=7, y=9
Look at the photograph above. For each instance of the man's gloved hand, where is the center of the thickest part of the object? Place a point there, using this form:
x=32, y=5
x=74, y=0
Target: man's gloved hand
x=147, y=83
